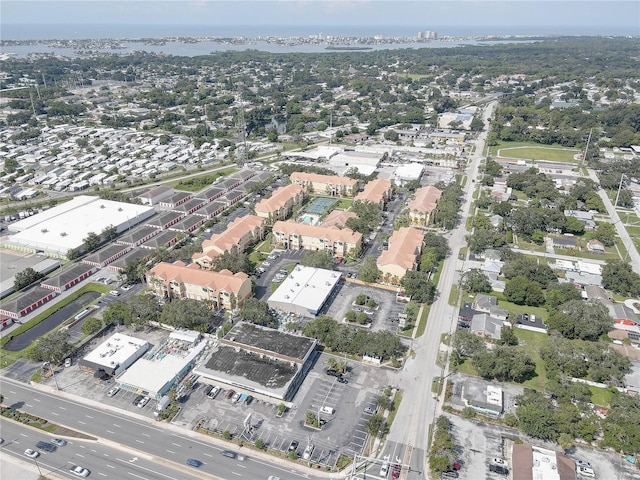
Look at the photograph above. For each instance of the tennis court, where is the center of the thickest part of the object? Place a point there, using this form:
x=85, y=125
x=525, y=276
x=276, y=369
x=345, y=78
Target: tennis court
x=320, y=205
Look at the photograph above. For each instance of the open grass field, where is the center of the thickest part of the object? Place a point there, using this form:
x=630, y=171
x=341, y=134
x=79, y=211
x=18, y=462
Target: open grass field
x=532, y=342
x=529, y=151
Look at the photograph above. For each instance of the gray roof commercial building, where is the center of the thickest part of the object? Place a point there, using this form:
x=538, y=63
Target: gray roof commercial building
x=260, y=360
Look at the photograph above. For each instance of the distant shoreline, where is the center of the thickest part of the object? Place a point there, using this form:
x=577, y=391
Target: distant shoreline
x=335, y=47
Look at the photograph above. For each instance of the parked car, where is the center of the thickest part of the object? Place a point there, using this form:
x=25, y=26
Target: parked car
x=59, y=442
x=449, y=474
x=207, y=389
x=384, y=469
x=115, y=293
x=395, y=471
x=499, y=461
x=328, y=410
x=228, y=453
x=581, y=463
x=586, y=472
x=138, y=399
x=248, y=400
x=79, y=471
x=143, y=402
x=193, y=462
x=502, y=470
x=229, y=394
x=68, y=362
x=293, y=446
x=370, y=410
x=307, y=452
x=266, y=264
x=214, y=391
x=343, y=380
x=112, y=391
x=29, y=452
x=236, y=397
x=126, y=287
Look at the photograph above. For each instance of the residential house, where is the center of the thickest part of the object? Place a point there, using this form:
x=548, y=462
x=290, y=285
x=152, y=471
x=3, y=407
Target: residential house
x=333, y=185
x=623, y=315
x=280, y=205
x=484, y=325
x=405, y=247
x=338, y=242
x=423, y=204
x=377, y=191
x=595, y=246
x=240, y=233
x=178, y=280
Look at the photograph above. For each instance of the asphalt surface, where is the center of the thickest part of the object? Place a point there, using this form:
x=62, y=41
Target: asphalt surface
x=52, y=321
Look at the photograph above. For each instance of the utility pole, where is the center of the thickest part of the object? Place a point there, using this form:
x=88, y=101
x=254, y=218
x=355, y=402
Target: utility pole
x=586, y=149
x=619, y=188
x=242, y=132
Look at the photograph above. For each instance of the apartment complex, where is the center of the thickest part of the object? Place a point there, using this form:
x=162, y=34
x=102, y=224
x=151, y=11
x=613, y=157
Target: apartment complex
x=424, y=202
x=325, y=184
x=338, y=242
x=280, y=205
x=240, y=233
x=405, y=246
x=377, y=191
x=178, y=280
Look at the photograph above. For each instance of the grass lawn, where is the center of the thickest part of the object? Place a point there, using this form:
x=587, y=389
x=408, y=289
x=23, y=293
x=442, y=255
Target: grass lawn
x=453, y=295
x=600, y=396
x=467, y=368
x=532, y=151
x=198, y=182
x=524, y=245
x=422, y=321
x=513, y=308
x=343, y=204
x=531, y=342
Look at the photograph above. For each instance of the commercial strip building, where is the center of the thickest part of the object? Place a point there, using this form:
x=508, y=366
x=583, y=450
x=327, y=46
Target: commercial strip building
x=532, y=463
x=338, y=242
x=424, y=202
x=332, y=185
x=26, y=302
x=62, y=228
x=164, y=366
x=240, y=233
x=405, y=247
x=178, y=280
x=377, y=191
x=68, y=277
x=259, y=360
x=305, y=291
x=280, y=205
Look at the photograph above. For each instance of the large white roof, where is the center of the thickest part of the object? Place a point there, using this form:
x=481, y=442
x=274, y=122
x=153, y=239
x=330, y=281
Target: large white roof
x=116, y=350
x=306, y=287
x=65, y=226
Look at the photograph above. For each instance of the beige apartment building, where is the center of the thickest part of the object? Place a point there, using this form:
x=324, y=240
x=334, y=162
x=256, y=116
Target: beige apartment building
x=424, y=202
x=377, y=191
x=339, y=242
x=332, y=185
x=178, y=280
x=240, y=233
x=280, y=205
x=405, y=247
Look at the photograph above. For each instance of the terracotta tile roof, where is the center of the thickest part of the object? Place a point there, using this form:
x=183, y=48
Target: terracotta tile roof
x=425, y=199
x=317, y=178
x=223, y=280
x=230, y=238
x=337, y=218
x=279, y=198
x=333, y=234
x=374, y=191
x=403, y=245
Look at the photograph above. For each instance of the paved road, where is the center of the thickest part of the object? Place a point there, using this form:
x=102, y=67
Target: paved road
x=145, y=438
x=420, y=407
x=102, y=460
x=634, y=257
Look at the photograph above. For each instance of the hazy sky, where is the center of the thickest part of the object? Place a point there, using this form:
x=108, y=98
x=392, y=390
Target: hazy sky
x=327, y=12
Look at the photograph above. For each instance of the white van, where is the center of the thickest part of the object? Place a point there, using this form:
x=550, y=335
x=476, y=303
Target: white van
x=328, y=410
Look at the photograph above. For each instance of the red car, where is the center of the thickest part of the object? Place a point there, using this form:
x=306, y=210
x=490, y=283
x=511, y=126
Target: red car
x=395, y=471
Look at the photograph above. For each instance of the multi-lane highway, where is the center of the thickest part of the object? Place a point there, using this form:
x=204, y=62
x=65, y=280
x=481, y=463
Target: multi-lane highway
x=126, y=436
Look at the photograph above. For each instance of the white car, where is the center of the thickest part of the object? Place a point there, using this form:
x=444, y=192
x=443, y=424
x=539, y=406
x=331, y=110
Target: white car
x=143, y=402
x=31, y=453
x=112, y=391
x=499, y=461
x=126, y=287
x=266, y=264
x=115, y=293
x=586, y=472
x=307, y=452
x=384, y=469
x=581, y=463
x=80, y=471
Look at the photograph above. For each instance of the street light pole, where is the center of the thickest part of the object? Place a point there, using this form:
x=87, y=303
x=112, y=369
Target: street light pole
x=38, y=466
x=53, y=374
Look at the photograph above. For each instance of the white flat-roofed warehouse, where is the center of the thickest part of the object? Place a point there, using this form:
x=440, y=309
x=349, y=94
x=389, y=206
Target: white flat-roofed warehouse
x=64, y=227
x=115, y=355
x=260, y=360
x=305, y=291
x=164, y=366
